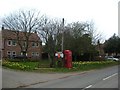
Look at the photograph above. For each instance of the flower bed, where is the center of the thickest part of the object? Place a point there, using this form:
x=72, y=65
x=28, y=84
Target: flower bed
x=77, y=66
x=92, y=64
x=20, y=65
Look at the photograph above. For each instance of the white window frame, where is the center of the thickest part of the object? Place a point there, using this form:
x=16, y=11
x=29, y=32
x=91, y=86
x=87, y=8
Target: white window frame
x=15, y=43
x=9, y=54
x=33, y=45
x=35, y=54
x=10, y=42
x=24, y=44
x=13, y=54
x=36, y=44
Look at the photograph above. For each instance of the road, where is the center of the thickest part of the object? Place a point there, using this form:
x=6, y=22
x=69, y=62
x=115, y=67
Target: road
x=0, y=76
x=102, y=78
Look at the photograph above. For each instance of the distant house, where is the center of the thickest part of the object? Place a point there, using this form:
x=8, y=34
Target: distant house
x=11, y=49
x=100, y=49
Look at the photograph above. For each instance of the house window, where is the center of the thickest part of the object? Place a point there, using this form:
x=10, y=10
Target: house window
x=12, y=43
x=35, y=54
x=9, y=42
x=35, y=44
x=32, y=54
x=9, y=53
x=13, y=54
x=24, y=44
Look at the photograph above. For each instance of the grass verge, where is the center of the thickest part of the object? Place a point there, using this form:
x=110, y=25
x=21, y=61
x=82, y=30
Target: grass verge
x=43, y=66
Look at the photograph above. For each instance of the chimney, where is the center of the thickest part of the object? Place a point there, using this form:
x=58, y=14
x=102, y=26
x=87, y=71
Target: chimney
x=35, y=31
x=98, y=42
x=2, y=27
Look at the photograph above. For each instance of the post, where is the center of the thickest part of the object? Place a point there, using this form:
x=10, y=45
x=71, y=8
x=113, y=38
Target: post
x=119, y=19
x=62, y=46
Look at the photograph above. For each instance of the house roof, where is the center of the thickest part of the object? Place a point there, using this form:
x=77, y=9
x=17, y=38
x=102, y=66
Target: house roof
x=10, y=34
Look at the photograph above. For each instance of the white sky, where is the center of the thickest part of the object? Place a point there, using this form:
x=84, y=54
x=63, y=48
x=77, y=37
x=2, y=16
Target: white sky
x=104, y=13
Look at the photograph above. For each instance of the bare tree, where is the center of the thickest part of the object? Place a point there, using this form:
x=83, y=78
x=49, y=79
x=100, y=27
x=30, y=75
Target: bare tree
x=49, y=27
x=49, y=33
x=94, y=34
x=25, y=21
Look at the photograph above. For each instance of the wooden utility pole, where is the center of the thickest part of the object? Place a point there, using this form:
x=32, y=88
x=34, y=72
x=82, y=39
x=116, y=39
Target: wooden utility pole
x=62, y=46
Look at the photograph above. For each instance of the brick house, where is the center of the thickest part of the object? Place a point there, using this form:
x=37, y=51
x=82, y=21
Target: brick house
x=100, y=49
x=11, y=49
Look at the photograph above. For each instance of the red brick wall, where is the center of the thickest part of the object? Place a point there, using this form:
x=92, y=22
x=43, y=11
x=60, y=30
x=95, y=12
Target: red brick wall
x=17, y=49
x=8, y=35
x=10, y=48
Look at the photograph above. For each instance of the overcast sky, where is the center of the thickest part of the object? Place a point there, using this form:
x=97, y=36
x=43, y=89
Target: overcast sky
x=104, y=13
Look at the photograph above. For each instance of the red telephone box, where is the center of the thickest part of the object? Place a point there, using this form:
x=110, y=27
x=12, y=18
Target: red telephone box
x=68, y=58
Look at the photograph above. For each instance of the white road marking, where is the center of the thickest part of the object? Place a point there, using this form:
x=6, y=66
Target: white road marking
x=103, y=79
x=110, y=76
x=89, y=86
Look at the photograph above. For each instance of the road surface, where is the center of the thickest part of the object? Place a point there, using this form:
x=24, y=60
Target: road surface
x=102, y=78
x=0, y=76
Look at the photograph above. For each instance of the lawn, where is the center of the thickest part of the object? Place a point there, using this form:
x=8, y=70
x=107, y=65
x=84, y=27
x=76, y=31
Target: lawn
x=43, y=66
